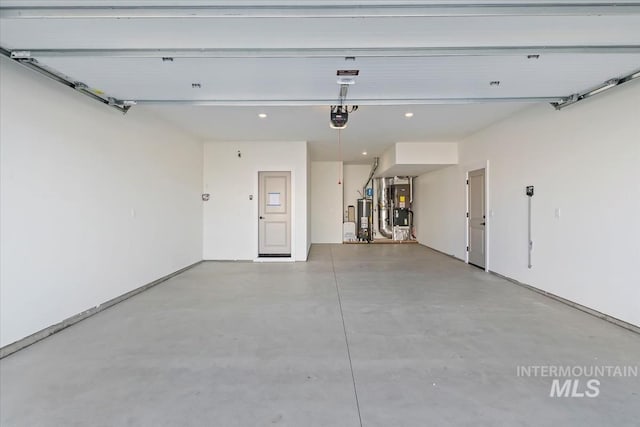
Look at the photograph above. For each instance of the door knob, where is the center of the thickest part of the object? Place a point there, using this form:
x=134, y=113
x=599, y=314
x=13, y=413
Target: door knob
x=482, y=223
x=261, y=217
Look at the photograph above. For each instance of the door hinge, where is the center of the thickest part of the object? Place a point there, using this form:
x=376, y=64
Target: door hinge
x=467, y=182
x=467, y=214
x=467, y=248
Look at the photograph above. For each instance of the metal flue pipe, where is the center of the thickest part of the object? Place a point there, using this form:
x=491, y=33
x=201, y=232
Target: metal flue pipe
x=374, y=167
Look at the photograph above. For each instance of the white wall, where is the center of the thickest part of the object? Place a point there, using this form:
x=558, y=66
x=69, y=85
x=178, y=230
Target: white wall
x=439, y=208
x=430, y=153
x=354, y=178
x=308, y=166
x=93, y=203
x=326, y=202
x=416, y=158
x=230, y=218
x=583, y=160
x=387, y=160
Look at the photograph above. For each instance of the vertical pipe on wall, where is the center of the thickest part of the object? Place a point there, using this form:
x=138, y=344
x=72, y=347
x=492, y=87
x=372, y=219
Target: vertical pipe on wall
x=384, y=207
x=374, y=167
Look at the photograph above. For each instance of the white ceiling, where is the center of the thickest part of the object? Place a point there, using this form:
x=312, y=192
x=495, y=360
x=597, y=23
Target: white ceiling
x=286, y=66
x=371, y=128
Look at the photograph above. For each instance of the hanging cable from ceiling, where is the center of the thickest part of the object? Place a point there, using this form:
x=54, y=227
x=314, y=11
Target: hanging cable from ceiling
x=340, y=156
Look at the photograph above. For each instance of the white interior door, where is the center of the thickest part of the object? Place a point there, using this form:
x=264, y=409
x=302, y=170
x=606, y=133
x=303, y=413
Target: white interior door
x=274, y=222
x=477, y=221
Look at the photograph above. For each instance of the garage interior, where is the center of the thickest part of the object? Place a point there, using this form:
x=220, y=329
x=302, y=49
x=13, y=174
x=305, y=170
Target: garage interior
x=331, y=213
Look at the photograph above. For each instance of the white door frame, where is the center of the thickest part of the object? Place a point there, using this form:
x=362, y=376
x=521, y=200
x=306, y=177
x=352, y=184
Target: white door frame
x=256, y=214
x=487, y=211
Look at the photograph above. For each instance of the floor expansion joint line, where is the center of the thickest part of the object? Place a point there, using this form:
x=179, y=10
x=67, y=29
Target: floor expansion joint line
x=346, y=339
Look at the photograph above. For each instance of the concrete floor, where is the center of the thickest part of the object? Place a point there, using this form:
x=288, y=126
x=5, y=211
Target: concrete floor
x=429, y=341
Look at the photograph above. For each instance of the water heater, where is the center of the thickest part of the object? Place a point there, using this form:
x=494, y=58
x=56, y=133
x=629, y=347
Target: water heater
x=364, y=220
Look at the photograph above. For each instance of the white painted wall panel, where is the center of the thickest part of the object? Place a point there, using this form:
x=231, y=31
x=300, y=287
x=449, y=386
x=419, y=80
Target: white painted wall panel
x=387, y=160
x=439, y=208
x=432, y=153
x=353, y=179
x=583, y=160
x=417, y=158
x=93, y=203
x=326, y=202
x=308, y=166
x=230, y=218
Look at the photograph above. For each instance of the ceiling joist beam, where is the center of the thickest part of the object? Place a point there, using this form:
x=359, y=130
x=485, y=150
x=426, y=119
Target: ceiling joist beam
x=326, y=10
x=434, y=51
x=326, y=102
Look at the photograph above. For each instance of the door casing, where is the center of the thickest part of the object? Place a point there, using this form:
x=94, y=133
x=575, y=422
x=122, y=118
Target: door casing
x=287, y=250
x=488, y=213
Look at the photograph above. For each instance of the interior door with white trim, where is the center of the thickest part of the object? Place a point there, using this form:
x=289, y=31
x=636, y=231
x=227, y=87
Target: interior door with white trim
x=477, y=221
x=274, y=222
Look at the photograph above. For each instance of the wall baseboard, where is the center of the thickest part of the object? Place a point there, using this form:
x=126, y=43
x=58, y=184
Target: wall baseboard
x=442, y=253
x=583, y=308
x=621, y=323
x=44, y=333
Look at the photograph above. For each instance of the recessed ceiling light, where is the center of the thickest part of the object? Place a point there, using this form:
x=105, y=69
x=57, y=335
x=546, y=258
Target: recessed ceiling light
x=364, y=153
x=408, y=115
x=262, y=115
x=495, y=83
x=196, y=85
